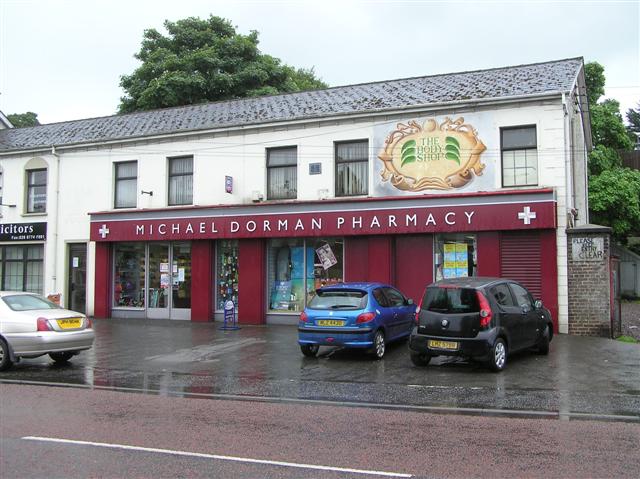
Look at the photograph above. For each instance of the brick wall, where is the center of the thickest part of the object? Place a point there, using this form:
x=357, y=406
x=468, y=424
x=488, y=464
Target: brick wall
x=589, y=287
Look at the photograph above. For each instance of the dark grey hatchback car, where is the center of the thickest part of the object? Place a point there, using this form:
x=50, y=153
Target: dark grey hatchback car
x=480, y=318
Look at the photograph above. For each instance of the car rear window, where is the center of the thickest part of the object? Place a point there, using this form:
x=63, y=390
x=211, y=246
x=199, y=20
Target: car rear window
x=25, y=302
x=350, y=299
x=451, y=300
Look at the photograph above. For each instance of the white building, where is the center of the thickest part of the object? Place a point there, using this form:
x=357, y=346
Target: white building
x=169, y=213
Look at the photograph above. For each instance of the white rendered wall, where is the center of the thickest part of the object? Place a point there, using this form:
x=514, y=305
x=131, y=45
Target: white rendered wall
x=86, y=174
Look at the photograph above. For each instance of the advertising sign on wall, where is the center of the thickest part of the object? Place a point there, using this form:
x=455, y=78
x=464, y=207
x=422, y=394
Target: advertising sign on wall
x=23, y=231
x=432, y=155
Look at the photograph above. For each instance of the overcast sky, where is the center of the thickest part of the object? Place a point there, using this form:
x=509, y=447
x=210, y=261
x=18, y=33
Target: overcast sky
x=63, y=59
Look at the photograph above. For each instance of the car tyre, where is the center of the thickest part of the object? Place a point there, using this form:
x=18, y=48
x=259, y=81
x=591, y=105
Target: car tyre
x=62, y=357
x=543, y=344
x=498, y=355
x=420, y=359
x=379, y=344
x=309, y=350
x=5, y=356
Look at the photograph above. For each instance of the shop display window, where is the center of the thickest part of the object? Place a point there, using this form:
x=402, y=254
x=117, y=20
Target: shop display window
x=455, y=256
x=227, y=273
x=181, y=275
x=129, y=273
x=297, y=267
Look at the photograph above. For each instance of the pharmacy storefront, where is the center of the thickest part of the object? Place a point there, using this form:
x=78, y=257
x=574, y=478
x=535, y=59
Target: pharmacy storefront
x=269, y=258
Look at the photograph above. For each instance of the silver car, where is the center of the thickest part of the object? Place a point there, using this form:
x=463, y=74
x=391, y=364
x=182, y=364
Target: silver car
x=31, y=326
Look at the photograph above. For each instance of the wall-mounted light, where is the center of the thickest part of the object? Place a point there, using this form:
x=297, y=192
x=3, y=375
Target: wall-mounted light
x=150, y=193
x=10, y=206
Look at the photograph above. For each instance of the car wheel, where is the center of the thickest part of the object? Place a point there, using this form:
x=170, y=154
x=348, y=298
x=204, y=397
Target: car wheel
x=309, y=350
x=543, y=344
x=5, y=358
x=420, y=359
x=61, y=357
x=379, y=345
x=498, y=355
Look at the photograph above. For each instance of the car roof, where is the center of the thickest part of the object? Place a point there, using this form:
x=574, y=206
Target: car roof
x=367, y=286
x=11, y=293
x=470, y=282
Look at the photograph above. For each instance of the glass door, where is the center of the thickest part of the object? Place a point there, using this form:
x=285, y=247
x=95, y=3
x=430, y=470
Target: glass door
x=159, y=281
x=76, y=287
x=169, y=281
x=181, y=281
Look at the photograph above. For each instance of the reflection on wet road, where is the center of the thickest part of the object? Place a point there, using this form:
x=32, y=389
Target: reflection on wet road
x=591, y=376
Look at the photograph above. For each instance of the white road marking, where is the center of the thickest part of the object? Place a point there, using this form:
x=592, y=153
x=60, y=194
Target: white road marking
x=214, y=456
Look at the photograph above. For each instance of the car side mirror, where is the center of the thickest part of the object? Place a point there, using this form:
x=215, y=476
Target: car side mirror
x=409, y=302
x=525, y=308
x=538, y=304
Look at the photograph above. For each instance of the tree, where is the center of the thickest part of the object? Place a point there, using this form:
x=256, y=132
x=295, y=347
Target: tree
x=22, y=120
x=633, y=117
x=614, y=192
x=614, y=200
x=206, y=60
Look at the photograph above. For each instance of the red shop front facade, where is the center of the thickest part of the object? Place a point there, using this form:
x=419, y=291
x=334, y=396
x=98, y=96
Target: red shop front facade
x=268, y=258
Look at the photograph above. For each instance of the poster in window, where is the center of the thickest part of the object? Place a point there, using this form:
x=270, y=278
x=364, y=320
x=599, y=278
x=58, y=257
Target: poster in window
x=326, y=256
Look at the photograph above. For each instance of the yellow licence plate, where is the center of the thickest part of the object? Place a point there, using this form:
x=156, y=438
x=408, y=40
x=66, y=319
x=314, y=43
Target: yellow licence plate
x=442, y=344
x=71, y=323
x=329, y=322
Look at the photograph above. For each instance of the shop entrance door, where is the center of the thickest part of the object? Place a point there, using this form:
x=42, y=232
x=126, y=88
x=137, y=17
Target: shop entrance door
x=169, y=281
x=77, y=286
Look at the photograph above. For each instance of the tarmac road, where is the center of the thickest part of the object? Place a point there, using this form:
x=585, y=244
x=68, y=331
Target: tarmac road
x=592, y=378
x=64, y=432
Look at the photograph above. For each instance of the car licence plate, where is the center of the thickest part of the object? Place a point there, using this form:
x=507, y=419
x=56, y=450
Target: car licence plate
x=451, y=345
x=70, y=323
x=329, y=322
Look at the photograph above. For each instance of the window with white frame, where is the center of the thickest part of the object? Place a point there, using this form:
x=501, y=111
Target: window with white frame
x=37, y=191
x=282, y=173
x=126, y=184
x=352, y=168
x=181, y=181
x=519, y=149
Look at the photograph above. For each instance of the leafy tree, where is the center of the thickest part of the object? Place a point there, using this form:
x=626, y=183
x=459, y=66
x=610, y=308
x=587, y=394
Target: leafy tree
x=614, y=192
x=206, y=60
x=607, y=127
x=614, y=200
x=22, y=120
x=633, y=117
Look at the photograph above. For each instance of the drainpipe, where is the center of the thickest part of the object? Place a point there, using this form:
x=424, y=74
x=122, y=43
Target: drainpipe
x=56, y=216
x=568, y=182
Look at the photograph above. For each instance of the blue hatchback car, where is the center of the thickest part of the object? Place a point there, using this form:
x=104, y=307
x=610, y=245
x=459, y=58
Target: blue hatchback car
x=355, y=315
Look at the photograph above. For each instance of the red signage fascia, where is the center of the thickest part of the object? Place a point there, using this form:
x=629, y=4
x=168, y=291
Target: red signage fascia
x=411, y=220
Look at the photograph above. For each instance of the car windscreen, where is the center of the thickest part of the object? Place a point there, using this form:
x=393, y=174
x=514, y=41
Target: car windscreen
x=26, y=302
x=342, y=299
x=451, y=300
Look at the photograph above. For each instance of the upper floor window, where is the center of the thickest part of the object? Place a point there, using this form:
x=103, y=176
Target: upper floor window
x=282, y=173
x=519, y=156
x=181, y=181
x=352, y=168
x=126, y=188
x=36, y=191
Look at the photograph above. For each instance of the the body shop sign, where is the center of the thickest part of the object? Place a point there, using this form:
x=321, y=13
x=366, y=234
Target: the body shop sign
x=23, y=232
x=436, y=219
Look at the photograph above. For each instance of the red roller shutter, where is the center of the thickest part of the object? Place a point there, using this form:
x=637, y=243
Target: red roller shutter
x=520, y=260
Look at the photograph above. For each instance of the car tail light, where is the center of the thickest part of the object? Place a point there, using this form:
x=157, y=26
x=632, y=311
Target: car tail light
x=87, y=323
x=43, y=325
x=485, y=310
x=304, y=317
x=365, y=317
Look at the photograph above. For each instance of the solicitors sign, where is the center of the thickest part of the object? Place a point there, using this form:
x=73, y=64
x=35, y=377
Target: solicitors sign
x=407, y=220
x=23, y=231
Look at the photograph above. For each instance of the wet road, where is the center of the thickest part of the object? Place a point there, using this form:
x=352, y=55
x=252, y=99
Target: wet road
x=68, y=433
x=585, y=378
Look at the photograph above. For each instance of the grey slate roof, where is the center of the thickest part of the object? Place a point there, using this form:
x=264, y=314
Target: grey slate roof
x=498, y=83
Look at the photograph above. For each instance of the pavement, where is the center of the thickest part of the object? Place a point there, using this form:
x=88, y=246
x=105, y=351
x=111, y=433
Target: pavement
x=581, y=378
